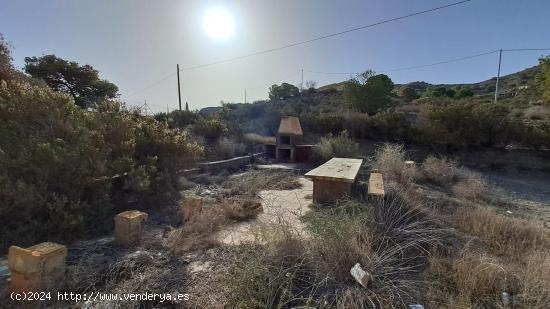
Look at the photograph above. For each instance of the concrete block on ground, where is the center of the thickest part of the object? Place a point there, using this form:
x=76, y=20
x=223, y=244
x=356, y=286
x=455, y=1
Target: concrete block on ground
x=36, y=268
x=361, y=276
x=129, y=227
x=376, y=185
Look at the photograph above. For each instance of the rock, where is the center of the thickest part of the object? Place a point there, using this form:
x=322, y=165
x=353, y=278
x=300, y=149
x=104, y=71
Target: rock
x=360, y=275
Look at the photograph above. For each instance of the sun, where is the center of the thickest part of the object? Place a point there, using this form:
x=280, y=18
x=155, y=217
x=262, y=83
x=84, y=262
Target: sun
x=219, y=23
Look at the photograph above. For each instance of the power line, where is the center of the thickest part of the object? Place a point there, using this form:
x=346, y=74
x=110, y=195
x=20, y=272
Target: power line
x=412, y=67
x=151, y=85
x=526, y=49
x=436, y=63
x=300, y=43
x=442, y=62
x=322, y=37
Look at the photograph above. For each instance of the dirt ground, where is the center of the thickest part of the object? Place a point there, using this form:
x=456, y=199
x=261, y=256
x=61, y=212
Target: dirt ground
x=527, y=191
x=279, y=207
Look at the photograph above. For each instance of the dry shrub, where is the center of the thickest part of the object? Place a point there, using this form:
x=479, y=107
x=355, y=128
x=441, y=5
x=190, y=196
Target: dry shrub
x=198, y=232
x=507, y=236
x=241, y=209
x=336, y=146
x=227, y=148
x=469, y=280
x=441, y=171
x=406, y=222
x=251, y=183
x=278, y=275
x=471, y=186
x=389, y=159
x=190, y=206
x=535, y=277
x=388, y=242
x=259, y=139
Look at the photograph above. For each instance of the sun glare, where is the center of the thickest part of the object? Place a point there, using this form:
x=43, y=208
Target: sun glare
x=219, y=23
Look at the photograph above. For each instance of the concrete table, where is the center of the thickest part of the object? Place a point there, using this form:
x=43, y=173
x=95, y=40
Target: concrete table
x=334, y=179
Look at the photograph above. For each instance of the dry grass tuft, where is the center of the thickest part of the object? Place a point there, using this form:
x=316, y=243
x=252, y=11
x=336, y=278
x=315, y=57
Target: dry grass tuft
x=199, y=230
x=506, y=236
x=251, y=183
x=471, y=186
x=241, y=209
x=469, y=280
x=389, y=159
x=535, y=277
x=440, y=171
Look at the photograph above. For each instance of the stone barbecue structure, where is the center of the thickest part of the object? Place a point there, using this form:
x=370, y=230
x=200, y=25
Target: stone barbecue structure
x=288, y=146
x=334, y=179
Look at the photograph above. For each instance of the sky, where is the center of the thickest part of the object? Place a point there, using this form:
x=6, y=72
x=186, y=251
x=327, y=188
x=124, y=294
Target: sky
x=136, y=44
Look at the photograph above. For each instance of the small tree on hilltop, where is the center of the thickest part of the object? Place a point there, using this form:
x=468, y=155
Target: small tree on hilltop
x=369, y=93
x=408, y=94
x=283, y=91
x=81, y=82
x=464, y=92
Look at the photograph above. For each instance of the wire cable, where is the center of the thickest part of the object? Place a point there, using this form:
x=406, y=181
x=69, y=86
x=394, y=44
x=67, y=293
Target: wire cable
x=151, y=85
x=322, y=37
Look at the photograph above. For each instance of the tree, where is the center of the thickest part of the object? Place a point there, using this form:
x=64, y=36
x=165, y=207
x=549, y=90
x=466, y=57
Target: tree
x=369, y=93
x=544, y=78
x=408, y=94
x=81, y=82
x=311, y=85
x=5, y=60
x=284, y=91
x=464, y=92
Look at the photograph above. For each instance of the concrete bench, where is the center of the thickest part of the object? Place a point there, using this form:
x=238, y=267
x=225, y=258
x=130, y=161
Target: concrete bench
x=376, y=185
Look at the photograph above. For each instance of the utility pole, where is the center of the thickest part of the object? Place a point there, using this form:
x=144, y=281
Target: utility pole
x=179, y=91
x=302, y=86
x=498, y=74
x=244, y=95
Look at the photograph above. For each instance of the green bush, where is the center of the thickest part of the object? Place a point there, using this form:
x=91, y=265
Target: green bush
x=408, y=94
x=57, y=162
x=212, y=129
x=536, y=134
x=463, y=125
x=340, y=146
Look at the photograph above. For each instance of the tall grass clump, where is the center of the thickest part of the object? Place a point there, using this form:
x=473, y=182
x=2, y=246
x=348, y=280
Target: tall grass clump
x=389, y=159
x=336, y=146
x=440, y=171
x=511, y=237
x=469, y=280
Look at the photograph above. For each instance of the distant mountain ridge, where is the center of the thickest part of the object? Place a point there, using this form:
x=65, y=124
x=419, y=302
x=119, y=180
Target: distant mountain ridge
x=509, y=84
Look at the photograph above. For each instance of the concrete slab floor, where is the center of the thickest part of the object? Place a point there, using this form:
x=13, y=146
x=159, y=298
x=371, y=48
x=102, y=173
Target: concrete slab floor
x=280, y=209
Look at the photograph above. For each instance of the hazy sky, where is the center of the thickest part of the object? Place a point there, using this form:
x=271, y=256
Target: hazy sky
x=136, y=43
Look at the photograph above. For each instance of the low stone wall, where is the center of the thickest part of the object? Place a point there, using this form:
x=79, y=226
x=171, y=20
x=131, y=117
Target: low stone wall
x=229, y=164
